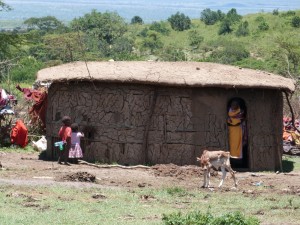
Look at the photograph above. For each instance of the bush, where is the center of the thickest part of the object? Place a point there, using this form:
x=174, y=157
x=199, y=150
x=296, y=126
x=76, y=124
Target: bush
x=210, y=17
x=122, y=49
x=288, y=13
x=180, y=22
x=152, y=41
x=243, y=29
x=275, y=12
x=225, y=27
x=160, y=27
x=195, y=39
x=26, y=70
x=136, y=20
x=296, y=21
x=197, y=218
x=233, y=16
x=260, y=19
x=231, y=53
x=173, y=54
x=263, y=26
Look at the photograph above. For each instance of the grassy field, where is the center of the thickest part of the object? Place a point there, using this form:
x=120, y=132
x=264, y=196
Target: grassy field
x=78, y=203
x=67, y=205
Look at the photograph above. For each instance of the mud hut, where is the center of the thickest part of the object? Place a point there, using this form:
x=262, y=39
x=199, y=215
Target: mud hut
x=165, y=112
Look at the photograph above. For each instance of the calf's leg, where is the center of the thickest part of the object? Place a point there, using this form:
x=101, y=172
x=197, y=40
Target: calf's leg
x=223, y=175
x=205, y=174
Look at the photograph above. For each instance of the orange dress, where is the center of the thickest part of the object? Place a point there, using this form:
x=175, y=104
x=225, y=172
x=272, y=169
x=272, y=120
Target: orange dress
x=235, y=133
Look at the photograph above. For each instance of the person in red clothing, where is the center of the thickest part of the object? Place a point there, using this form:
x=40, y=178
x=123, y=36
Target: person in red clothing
x=65, y=136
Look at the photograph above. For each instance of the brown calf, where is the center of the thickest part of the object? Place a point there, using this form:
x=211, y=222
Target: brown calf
x=216, y=159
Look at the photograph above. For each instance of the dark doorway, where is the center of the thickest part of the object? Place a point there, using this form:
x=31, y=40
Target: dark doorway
x=237, y=121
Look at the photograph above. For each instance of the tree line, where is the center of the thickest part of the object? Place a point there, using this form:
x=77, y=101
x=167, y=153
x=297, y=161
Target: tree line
x=47, y=41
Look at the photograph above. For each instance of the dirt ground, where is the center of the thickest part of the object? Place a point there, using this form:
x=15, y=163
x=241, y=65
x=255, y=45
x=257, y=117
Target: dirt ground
x=28, y=169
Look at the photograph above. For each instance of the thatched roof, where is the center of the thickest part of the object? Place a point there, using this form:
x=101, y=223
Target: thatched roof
x=195, y=74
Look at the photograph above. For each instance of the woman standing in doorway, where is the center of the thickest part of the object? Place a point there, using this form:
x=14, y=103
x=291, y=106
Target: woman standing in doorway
x=237, y=129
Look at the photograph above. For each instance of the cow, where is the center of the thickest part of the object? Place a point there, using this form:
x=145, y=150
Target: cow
x=216, y=159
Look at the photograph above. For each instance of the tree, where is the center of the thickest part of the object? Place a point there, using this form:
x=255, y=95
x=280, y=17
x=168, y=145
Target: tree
x=243, y=29
x=65, y=47
x=296, y=21
x=46, y=24
x=8, y=41
x=210, y=17
x=289, y=52
x=106, y=26
x=4, y=6
x=26, y=70
x=122, y=49
x=136, y=20
x=179, y=22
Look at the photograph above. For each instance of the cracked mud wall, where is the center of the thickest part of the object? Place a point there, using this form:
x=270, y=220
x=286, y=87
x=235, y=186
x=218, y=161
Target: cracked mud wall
x=133, y=124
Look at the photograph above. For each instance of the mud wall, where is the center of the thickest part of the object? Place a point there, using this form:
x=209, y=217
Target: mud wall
x=132, y=124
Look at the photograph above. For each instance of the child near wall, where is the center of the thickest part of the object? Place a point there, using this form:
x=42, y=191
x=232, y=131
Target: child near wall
x=75, y=152
x=65, y=136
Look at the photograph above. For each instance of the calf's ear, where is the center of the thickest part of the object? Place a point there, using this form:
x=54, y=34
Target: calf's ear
x=198, y=159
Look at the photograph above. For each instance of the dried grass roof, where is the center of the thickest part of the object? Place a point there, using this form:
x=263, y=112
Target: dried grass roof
x=195, y=74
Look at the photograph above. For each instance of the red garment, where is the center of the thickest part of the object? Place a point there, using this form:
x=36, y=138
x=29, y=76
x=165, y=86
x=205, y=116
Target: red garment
x=38, y=110
x=19, y=134
x=65, y=133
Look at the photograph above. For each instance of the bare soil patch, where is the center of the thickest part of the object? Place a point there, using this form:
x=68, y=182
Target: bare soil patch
x=28, y=169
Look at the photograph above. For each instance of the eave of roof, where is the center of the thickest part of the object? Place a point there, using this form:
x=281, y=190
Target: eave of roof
x=194, y=74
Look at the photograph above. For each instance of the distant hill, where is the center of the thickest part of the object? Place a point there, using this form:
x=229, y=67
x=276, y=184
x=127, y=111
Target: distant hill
x=149, y=10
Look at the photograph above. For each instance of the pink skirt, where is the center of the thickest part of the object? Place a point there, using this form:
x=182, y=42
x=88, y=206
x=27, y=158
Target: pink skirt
x=75, y=152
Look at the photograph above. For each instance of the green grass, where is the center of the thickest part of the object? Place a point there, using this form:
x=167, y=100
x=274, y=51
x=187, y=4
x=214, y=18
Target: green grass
x=67, y=205
x=16, y=149
x=290, y=163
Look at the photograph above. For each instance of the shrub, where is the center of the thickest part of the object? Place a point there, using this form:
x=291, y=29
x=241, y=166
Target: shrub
x=225, y=27
x=275, y=12
x=173, y=54
x=210, y=17
x=122, y=48
x=180, y=22
x=231, y=53
x=243, y=29
x=152, y=41
x=263, y=26
x=288, y=13
x=160, y=27
x=296, y=21
x=195, y=39
x=136, y=20
x=26, y=70
x=260, y=19
x=233, y=16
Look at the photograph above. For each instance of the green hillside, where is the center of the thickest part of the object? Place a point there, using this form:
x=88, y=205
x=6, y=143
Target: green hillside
x=264, y=41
